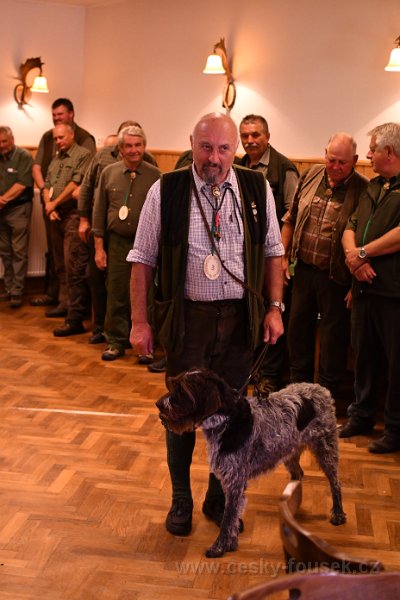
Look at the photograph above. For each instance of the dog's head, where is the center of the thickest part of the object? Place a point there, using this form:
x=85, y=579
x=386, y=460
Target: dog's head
x=193, y=396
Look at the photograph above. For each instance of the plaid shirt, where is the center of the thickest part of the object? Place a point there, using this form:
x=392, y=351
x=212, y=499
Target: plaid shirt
x=230, y=246
x=315, y=247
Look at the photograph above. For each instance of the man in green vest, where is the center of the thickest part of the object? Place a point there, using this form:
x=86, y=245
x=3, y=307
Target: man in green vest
x=211, y=231
x=326, y=196
x=283, y=178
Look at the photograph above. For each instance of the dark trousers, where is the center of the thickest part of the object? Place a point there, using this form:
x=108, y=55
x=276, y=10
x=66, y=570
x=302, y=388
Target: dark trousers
x=71, y=258
x=14, y=243
x=98, y=290
x=118, y=315
x=216, y=337
x=52, y=287
x=314, y=293
x=376, y=343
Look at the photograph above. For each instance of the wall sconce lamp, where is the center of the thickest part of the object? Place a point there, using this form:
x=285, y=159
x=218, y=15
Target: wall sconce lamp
x=217, y=63
x=394, y=60
x=32, y=80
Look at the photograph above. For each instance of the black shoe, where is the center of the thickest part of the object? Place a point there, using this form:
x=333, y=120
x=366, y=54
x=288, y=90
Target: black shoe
x=58, y=311
x=145, y=359
x=355, y=428
x=112, y=353
x=214, y=510
x=158, y=366
x=44, y=300
x=69, y=328
x=16, y=301
x=385, y=445
x=179, y=518
x=97, y=338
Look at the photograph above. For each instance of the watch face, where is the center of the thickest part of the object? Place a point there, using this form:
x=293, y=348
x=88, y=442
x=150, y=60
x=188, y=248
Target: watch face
x=278, y=304
x=362, y=253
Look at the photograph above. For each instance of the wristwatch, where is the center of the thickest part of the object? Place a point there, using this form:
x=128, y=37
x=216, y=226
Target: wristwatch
x=278, y=304
x=362, y=253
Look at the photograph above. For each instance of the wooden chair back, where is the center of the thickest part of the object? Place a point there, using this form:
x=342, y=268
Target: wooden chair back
x=306, y=551
x=328, y=585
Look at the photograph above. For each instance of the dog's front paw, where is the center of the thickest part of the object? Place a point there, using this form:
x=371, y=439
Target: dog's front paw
x=214, y=551
x=338, y=518
x=218, y=549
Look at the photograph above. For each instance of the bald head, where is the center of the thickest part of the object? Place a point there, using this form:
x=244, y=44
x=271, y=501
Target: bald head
x=340, y=157
x=214, y=142
x=63, y=136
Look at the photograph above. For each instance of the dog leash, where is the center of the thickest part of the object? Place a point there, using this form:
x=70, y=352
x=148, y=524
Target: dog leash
x=255, y=368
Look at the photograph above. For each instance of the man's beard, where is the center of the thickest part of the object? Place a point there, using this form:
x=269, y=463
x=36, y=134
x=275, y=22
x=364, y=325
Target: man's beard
x=211, y=177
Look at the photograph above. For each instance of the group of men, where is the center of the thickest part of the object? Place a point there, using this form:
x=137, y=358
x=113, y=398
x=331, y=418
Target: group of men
x=209, y=235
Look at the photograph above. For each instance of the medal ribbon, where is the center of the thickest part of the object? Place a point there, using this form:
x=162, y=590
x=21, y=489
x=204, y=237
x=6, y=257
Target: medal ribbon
x=216, y=207
x=132, y=178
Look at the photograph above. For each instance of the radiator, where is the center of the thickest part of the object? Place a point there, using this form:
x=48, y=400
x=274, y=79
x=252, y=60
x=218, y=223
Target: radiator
x=37, y=242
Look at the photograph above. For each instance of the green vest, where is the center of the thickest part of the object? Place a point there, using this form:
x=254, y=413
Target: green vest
x=176, y=192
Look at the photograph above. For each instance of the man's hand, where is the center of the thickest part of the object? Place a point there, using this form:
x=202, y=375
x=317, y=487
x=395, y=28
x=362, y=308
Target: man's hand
x=141, y=338
x=3, y=202
x=54, y=216
x=365, y=273
x=84, y=229
x=100, y=258
x=50, y=206
x=273, y=326
x=349, y=299
x=353, y=261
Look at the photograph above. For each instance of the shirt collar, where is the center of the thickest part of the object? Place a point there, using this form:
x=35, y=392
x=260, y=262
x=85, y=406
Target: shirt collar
x=9, y=155
x=66, y=153
x=342, y=183
x=395, y=180
x=137, y=169
x=264, y=160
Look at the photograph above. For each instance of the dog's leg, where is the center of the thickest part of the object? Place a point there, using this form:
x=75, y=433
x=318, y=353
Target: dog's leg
x=327, y=454
x=227, y=541
x=293, y=466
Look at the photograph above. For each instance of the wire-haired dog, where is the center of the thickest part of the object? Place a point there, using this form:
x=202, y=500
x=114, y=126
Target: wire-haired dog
x=250, y=436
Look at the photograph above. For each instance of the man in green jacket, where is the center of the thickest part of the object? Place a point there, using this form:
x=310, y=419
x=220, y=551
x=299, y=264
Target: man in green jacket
x=372, y=246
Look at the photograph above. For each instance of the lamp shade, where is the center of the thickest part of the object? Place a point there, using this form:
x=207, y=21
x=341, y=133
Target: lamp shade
x=394, y=61
x=40, y=85
x=214, y=65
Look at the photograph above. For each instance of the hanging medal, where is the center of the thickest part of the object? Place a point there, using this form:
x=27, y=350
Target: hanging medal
x=124, y=210
x=212, y=265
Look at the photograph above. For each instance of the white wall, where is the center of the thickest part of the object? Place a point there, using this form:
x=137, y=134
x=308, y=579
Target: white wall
x=310, y=67
x=56, y=34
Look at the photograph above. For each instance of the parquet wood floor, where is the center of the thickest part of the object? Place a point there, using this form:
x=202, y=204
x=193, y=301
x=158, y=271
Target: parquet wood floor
x=84, y=487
